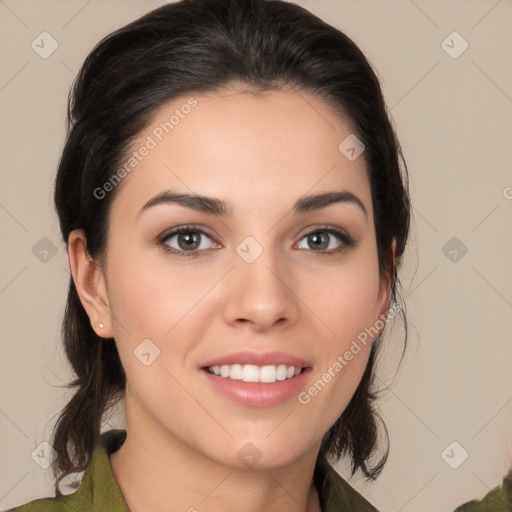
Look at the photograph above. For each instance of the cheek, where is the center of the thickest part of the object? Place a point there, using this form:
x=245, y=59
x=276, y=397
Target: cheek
x=346, y=300
x=149, y=296
x=156, y=325
x=346, y=297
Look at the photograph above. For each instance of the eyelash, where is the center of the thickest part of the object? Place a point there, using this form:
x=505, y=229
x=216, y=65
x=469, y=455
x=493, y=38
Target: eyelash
x=347, y=242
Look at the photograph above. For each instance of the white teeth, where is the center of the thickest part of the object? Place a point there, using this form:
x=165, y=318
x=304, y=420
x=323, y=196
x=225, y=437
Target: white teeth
x=254, y=373
x=268, y=374
x=235, y=371
x=250, y=373
x=281, y=372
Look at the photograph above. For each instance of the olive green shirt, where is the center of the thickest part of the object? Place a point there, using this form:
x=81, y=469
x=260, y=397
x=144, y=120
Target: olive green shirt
x=99, y=491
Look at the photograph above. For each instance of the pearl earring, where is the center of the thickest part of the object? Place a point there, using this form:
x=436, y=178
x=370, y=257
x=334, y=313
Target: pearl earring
x=101, y=326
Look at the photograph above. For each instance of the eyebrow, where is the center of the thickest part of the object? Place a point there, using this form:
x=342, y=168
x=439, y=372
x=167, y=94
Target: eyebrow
x=318, y=201
x=203, y=204
x=215, y=206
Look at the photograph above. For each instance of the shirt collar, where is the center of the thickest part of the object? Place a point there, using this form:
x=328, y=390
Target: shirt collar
x=99, y=487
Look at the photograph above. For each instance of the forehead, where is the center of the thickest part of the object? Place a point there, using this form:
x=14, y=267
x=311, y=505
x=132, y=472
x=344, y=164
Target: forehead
x=248, y=149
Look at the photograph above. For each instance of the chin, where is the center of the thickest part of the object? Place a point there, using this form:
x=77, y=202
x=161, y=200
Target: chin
x=260, y=453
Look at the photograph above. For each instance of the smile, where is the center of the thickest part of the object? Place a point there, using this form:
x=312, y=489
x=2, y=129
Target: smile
x=252, y=373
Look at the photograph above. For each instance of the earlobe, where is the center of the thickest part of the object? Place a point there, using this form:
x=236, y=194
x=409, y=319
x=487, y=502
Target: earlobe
x=90, y=284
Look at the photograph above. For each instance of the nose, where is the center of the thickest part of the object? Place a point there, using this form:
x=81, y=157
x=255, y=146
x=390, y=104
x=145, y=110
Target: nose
x=260, y=295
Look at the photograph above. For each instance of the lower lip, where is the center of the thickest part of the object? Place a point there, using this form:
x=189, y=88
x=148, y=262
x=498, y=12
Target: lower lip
x=258, y=394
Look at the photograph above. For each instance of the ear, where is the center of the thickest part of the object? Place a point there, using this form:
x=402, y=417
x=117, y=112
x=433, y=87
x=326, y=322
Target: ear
x=387, y=283
x=90, y=284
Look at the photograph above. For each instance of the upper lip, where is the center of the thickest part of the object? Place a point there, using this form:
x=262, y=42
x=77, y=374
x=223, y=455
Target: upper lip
x=258, y=359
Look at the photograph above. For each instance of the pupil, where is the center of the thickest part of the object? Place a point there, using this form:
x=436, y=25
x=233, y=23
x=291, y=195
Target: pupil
x=319, y=241
x=188, y=240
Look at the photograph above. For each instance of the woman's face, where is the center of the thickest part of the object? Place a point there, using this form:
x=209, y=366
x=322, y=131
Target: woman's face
x=276, y=265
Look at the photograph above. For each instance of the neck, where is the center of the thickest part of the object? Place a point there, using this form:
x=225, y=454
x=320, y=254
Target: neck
x=156, y=471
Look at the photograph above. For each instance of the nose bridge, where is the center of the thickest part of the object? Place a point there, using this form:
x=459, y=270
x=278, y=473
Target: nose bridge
x=259, y=293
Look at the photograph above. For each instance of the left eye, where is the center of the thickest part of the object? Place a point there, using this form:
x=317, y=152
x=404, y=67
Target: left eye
x=324, y=240
x=187, y=240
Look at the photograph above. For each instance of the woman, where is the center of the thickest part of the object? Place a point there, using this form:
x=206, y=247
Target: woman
x=235, y=214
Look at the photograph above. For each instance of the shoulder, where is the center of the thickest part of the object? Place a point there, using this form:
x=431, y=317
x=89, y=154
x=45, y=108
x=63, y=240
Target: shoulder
x=78, y=501
x=44, y=505
x=498, y=499
x=335, y=494
x=98, y=490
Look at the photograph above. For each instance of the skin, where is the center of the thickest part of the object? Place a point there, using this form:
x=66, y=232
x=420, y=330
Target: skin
x=259, y=153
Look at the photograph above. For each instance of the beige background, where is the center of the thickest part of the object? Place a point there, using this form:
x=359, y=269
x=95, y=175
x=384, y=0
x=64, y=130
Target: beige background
x=454, y=120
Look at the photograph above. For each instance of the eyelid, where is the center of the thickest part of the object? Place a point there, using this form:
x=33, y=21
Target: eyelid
x=327, y=228
x=187, y=227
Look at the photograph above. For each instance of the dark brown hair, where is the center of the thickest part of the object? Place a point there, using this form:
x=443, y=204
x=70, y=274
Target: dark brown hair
x=195, y=46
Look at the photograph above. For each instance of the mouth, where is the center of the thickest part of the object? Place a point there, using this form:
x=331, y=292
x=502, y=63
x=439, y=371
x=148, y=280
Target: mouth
x=267, y=374
x=257, y=379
